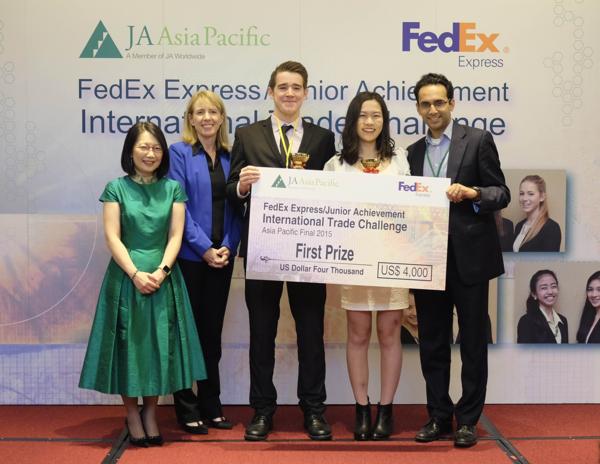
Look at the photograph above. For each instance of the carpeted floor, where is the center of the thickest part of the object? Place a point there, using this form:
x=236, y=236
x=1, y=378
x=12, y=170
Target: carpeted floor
x=93, y=434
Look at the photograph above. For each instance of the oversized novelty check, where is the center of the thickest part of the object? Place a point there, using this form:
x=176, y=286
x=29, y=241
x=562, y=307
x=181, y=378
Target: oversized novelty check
x=346, y=228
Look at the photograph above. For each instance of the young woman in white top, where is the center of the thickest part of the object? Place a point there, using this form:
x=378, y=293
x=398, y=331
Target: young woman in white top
x=368, y=147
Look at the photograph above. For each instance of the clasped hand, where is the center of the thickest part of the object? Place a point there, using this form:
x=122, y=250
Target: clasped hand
x=217, y=257
x=147, y=282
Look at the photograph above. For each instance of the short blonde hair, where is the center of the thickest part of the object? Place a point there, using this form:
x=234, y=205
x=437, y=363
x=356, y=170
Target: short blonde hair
x=189, y=132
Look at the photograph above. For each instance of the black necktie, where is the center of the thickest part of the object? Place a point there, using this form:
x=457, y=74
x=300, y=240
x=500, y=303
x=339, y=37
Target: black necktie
x=284, y=141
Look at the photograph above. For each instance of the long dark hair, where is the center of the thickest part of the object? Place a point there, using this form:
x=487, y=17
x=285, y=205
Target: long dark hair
x=350, y=142
x=132, y=135
x=532, y=304
x=589, y=312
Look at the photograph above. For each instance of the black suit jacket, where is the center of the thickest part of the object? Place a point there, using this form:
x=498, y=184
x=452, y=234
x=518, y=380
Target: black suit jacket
x=547, y=239
x=595, y=335
x=584, y=327
x=472, y=161
x=255, y=145
x=533, y=328
x=507, y=234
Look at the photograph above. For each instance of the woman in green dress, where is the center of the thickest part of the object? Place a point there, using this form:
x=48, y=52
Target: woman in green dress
x=143, y=341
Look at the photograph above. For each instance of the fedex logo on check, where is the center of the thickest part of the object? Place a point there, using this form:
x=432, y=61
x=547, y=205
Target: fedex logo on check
x=416, y=187
x=462, y=38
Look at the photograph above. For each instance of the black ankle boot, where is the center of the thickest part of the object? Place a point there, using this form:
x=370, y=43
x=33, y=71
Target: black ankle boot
x=362, y=427
x=384, y=422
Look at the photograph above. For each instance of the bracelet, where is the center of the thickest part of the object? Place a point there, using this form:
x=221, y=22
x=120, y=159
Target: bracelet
x=134, y=274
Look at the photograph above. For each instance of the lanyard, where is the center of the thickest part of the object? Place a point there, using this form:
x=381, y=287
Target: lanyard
x=287, y=149
x=436, y=174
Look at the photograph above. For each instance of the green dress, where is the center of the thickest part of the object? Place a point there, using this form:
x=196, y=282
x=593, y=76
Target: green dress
x=143, y=345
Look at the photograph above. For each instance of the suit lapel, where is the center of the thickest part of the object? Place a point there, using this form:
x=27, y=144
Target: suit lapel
x=458, y=145
x=226, y=164
x=543, y=324
x=419, y=158
x=563, y=331
x=307, y=133
x=274, y=154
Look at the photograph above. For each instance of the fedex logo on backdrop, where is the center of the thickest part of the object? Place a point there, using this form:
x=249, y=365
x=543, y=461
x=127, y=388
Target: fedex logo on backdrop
x=463, y=37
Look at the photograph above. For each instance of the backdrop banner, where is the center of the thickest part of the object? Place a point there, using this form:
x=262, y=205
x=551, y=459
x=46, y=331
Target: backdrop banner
x=75, y=76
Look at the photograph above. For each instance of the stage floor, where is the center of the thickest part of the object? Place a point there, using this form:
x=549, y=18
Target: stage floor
x=545, y=434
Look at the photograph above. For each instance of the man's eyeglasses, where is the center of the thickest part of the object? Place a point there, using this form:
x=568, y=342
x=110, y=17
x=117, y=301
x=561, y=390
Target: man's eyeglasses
x=146, y=148
x=439, y=105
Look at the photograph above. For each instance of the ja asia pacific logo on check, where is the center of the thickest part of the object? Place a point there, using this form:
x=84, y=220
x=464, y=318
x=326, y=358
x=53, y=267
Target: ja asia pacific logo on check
x=279, y=183
x=143, y=38
x=297, y=181
x=476, y=48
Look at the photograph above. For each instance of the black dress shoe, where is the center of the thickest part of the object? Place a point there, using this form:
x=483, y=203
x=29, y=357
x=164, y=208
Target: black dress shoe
x=317, y=427
x=141, y=442
x=433, y=430
x=258, y=429
x=222, y=424
x=197, y=429
x=155, y=440
x=465, y=436
x=384, y=422
x=362, y=425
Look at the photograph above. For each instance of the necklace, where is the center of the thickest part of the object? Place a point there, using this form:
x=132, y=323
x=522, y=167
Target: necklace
x=143, y=180
x=370, y=165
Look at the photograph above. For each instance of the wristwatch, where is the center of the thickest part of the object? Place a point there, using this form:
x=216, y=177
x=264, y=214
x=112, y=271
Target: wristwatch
x=478, y=197
x=166, y=269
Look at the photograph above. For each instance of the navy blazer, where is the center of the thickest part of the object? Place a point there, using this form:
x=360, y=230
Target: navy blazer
x=472, y=161
x=547, y=239
x=533, y=328
x=190, y=169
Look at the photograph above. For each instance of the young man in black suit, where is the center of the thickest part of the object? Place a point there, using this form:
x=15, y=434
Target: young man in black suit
x=269, y=143
x=469, y=157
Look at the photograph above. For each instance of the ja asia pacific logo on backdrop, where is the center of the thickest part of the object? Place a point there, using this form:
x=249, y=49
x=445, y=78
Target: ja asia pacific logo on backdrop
x=100, y=45
x=139, y=41
x=476, y=48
